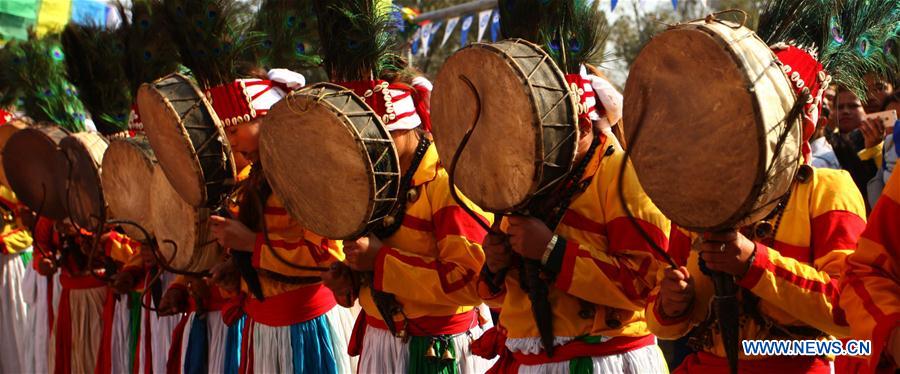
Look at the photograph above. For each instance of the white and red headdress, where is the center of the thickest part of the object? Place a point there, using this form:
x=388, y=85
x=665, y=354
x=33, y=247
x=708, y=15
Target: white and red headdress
x=394, y=103
x=244, y=100
x=598, y=101
x=806, y=75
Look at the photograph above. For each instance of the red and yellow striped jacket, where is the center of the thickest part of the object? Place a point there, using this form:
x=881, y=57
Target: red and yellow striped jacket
x=870, y=286
x=15, y=237
x=606, y=262
x=431, y=263
x=795, y=277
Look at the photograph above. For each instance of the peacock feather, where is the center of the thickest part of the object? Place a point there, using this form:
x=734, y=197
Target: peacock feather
x=150, y=52
x=95, y=57
x=34, y=76
x=572, y=32
x=357, y=37
x=290, y=34
x=213, y=38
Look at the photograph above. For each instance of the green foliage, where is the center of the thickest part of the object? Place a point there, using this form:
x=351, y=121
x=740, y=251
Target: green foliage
x=290, y=34
x=357, y=38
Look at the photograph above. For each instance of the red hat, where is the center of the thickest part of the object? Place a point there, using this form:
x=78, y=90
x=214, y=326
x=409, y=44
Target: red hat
x=392, y=102
x=244, y=100
x=806, y=75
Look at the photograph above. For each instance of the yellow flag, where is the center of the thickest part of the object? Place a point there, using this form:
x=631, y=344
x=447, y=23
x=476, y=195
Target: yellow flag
x=53, y=16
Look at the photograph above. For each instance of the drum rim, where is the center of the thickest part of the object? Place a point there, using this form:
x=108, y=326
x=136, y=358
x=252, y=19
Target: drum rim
x=187, y=142
x=43, y=129
x=79, y=146
x=539, y=184
x=200, y=227
x=320, y=90
x=746, y=208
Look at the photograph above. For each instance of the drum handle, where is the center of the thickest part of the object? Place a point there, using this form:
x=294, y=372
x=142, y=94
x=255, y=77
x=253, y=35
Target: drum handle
x=710, y=18
x=161, y=260
x=148, y=287
x=44, y=253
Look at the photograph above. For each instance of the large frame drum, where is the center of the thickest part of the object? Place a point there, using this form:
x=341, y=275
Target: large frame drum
x=188, y=140
x=126, y=179
x=714, y=149
x=525, y=119
x=83, y=191
x=331, y=160
x=6, y=131
x=36, y=168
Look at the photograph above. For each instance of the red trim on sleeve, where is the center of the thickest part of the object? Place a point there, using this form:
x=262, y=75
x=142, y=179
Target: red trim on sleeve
x=837, y=229
x=579, y=222
x=257, y=250
x=757, y=268
x=567, y=272
x=881, y=230
x=679, y=246
x=453, y=220
x=380, y=258
x=623, y=235
x=417, y=223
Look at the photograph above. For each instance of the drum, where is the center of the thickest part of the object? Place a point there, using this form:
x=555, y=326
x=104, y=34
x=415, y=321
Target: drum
x=705, y=117
x=36, y=167
x=174, y=221
x=331, y=160
x=127, y=171
x=83, y=191
x=525, y=120
x=6, y=131
x=188, y=140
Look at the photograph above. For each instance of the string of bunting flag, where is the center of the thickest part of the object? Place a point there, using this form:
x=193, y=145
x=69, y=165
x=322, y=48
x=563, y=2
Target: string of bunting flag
x=421, y=29
x=17, y=17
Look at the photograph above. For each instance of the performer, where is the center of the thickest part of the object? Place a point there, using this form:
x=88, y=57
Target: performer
x=200, y=342
x=14, y=260
x=869, y=284
x=787, y=266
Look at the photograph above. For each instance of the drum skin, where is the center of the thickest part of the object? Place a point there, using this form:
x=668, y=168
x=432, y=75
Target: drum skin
x=176, y=221
x=188, y=140
x=83, y=191
x=320, y=149
x=127, y=172
x=6, y=131
x=36, y=168
x=710, y=101
x=528, y=115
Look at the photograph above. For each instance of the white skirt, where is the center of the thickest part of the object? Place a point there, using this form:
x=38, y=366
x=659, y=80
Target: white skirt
x=273, y=353
x=217, y=332
x=14, y=333
x=37, y=346
x=121, y=337
x=648, y=359
x=382, y=352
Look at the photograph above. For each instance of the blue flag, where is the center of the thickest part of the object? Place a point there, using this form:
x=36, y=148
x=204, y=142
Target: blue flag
x=495, y=26
x=414, y=47
x=464, y=29
x=613, y=4
x=675, y=4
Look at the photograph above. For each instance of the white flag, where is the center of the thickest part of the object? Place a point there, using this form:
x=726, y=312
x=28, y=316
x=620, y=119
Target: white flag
x=484, y=18
x=426, y=37
x=451, y=24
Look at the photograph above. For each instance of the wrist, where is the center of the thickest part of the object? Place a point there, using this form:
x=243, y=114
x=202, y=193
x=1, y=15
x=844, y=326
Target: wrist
x=548, y=250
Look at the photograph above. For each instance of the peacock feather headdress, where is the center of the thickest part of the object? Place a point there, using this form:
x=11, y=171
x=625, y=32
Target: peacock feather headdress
x=150, y=51
x=213, y=38
x=290, y=34
x=95, y=57
x=34, y=76
x=357, y=37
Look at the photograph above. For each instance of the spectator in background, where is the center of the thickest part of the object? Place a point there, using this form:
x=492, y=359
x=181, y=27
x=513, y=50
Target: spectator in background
x=889, y=148
x=822, y=154
x=854, y=152
x=877, y=89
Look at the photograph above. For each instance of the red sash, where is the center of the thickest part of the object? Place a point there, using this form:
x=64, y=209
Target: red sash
x=707, y=363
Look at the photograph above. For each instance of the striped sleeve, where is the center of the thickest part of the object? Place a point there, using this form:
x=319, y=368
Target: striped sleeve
x=451, y=277
x=870, y=287
x=810, y=292
x=626, y=269
x=287, y=243
x=661, y=325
